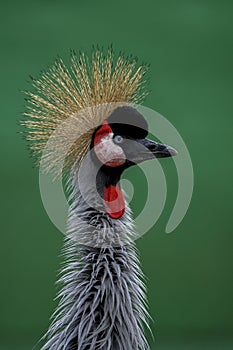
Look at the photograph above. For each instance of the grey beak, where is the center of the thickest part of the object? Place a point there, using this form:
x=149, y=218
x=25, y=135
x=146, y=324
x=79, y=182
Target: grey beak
x=157, y=150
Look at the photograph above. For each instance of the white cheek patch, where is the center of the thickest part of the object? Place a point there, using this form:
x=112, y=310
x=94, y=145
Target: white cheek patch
x=109, y=153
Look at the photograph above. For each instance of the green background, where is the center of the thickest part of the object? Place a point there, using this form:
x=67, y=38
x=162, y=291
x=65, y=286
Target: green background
x=189, y=46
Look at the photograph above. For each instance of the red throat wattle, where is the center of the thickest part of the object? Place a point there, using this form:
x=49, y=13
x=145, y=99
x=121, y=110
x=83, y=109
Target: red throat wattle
x=114, y=201
x=113, y=196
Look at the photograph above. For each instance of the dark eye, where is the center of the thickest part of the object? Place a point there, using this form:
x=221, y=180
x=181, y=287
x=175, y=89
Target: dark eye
x=118, y=139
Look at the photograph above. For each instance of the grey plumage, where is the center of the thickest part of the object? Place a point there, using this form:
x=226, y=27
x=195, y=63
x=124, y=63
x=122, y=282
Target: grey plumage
x=102, y=302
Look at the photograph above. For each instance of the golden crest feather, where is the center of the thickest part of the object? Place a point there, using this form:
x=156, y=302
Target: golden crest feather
x=69, y=103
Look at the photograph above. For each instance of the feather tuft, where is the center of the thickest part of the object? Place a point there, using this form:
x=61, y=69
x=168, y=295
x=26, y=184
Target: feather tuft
x=64, y=109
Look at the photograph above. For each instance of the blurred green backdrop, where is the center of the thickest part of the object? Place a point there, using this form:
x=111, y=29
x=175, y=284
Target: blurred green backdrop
x=189, y=46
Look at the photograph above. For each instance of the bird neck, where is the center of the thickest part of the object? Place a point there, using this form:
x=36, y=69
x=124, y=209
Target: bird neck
x=100, y=186
x=103, y=300
x=97, y=213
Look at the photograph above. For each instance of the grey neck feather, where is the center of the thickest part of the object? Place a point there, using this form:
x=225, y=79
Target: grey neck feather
x=102, y=301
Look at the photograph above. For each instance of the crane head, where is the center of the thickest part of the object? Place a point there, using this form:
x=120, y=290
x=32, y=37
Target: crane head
x=120, y=142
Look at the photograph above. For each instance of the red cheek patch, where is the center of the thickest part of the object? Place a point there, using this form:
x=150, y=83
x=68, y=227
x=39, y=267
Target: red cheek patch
x=114, y=201
x=105, y=149
x=103, y=131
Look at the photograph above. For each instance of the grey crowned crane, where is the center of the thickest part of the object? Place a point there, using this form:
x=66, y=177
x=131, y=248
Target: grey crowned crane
x=102, y=302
